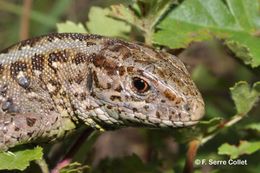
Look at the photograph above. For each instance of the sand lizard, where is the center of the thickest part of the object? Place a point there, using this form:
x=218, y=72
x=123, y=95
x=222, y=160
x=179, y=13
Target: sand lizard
x=50, y=85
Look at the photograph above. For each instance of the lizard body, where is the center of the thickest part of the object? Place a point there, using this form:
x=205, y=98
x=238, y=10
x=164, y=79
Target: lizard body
x=49, y=85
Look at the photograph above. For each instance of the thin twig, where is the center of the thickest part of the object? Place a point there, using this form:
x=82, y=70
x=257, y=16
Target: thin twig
x=194, y=144
x=236, y=118
x=191, y=153
x=43, y=165
x=24, y=29
x=36, y=16
x=240, y=60
x=73, y=150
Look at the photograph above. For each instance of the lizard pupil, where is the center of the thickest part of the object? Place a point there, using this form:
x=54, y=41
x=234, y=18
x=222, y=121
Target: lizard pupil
x=140, y=85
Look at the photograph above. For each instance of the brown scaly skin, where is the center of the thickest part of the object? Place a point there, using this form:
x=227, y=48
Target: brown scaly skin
x=51, y=83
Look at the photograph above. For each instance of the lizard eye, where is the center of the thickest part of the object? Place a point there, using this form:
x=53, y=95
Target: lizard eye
x=140, y=85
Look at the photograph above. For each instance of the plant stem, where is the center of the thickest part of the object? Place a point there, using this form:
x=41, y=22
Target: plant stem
x=36, y=16
x=236, y=118
x=43, y=165
x=148, y=37
x=191, y=153
x=25, y=19
x=73, y=150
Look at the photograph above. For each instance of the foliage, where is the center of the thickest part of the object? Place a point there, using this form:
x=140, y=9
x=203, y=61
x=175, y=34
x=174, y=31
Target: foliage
x=70, y=26
x=233, y=25
x=253, y=126
x=19, y=159
x=244, y=97
x=74, y=167
x=244, y=147
x=236, y=22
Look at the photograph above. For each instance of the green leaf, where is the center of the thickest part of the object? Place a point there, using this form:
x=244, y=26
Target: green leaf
x=253, y=126
x=69, y=26
x=245, y=12
x=100, y=23
x=142, y=14
x=74, y=167
x=209, y=126
x=236, y=22
x=153, y=10
x=19, y=159
x=244, y=147
x=123, y=13
x=244, y=96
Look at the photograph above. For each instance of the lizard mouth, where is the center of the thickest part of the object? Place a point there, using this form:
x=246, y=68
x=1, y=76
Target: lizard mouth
x=151, y=121
x=169, y=124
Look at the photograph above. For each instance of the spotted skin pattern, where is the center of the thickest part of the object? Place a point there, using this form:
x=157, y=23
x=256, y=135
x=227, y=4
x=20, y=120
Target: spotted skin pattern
x=49, y=85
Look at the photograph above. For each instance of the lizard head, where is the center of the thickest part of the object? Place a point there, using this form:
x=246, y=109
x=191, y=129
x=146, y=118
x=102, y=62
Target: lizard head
x=139, y=86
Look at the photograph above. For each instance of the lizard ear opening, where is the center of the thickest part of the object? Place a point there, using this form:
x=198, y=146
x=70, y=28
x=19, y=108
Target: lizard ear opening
x=89, y=84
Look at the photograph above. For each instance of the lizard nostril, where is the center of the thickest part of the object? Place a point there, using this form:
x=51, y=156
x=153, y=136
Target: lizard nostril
x=187, y=107
x=197, y=111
